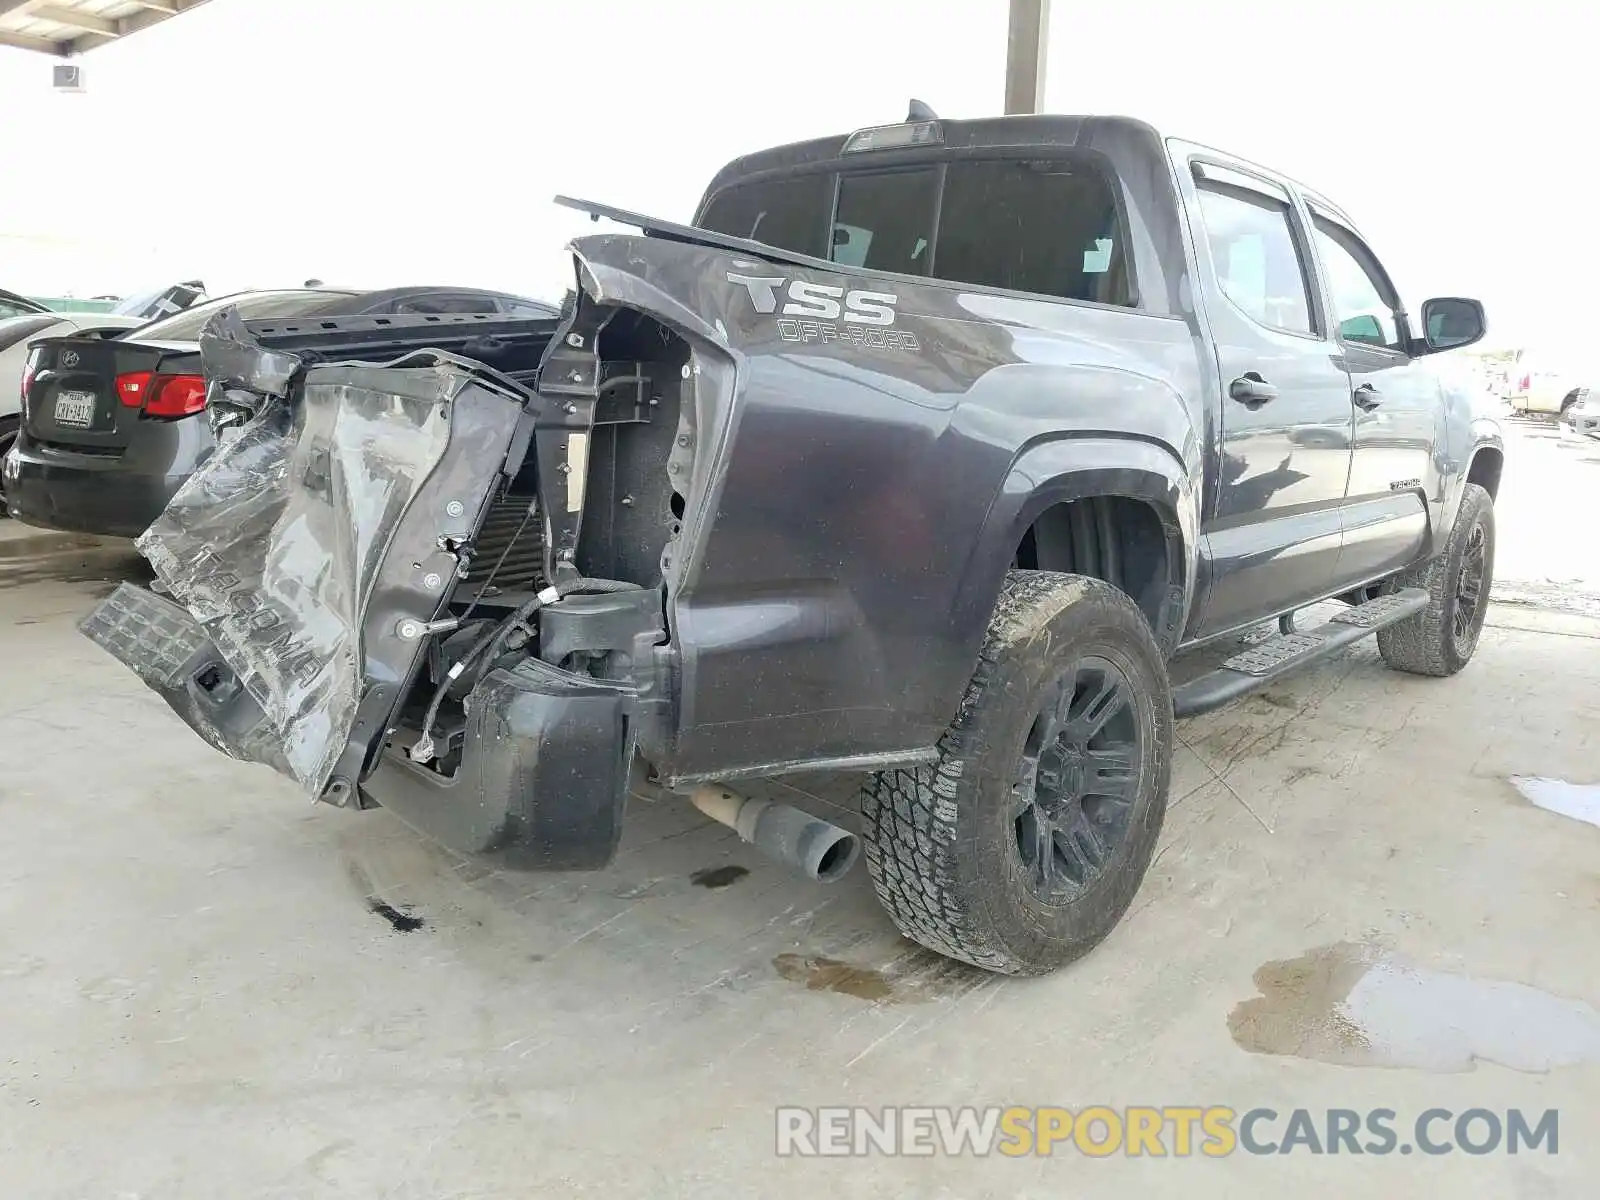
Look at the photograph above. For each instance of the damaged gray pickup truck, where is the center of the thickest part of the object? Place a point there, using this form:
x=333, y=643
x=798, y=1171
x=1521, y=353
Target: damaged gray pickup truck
x=919, y=455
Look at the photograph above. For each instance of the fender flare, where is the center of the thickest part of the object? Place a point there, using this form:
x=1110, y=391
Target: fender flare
x=1485, y=437
x=1073, y=468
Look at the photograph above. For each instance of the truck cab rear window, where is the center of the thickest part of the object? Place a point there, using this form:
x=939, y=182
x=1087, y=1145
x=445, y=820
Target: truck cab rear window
x=885, y=220
x=1046, y=227
x=1029, y=226
x=791, y=214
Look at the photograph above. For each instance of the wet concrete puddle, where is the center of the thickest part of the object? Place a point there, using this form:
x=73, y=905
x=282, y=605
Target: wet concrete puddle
x=1359, y=1006
x=1580, y=801
x=913, y=978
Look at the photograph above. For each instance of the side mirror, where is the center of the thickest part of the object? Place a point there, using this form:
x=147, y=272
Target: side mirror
x=1451, y=322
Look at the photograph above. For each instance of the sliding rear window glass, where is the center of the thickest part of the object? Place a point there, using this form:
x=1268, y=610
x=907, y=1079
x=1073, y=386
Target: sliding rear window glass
x=1043, y=226
x=1047, y=226
x=885, y=220
x=791, y=214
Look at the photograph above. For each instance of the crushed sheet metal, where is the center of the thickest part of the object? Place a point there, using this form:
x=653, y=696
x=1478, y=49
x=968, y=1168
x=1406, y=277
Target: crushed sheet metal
x=274, y=543
x=231, y=357
x=241, y=377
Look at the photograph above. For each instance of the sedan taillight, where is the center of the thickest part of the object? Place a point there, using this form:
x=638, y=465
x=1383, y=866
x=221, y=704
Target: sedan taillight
x=162, y=395
x=30, y=368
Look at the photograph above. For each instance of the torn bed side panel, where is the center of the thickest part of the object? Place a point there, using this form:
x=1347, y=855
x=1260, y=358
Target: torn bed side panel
x=272, y=544
x=242, y=378
x=233, y=359
x=278, y=548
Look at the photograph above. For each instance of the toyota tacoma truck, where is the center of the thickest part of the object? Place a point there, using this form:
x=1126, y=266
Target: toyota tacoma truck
x=919, y=454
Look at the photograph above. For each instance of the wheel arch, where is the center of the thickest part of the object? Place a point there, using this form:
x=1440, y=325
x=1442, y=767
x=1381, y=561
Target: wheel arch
x=1093, y=486
x=1485, y=467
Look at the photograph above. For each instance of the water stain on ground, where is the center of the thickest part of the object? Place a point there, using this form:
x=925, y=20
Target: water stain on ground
x=1580, y=801
x=910, y=978
x=718, y=877
x=821, y=974
x=1360, y=1006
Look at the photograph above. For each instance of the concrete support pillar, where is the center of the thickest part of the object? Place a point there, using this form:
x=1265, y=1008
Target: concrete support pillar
x=1026, y=51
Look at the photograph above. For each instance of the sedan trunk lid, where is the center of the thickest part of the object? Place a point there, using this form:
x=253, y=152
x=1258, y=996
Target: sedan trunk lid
x=88, y=394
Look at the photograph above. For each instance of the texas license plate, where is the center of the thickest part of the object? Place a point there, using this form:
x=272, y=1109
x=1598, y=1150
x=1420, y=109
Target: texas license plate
x=75, y=408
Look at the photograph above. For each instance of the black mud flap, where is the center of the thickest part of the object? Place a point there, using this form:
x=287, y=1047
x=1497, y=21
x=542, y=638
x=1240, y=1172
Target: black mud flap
x=303, y=553
x=543, y=779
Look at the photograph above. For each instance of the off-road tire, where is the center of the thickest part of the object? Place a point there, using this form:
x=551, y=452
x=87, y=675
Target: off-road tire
x=940, y=845
x=1427, y=644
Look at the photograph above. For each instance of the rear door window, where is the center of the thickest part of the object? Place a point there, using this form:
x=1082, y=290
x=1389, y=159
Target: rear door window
x=1257, y=257
x=1044, y=226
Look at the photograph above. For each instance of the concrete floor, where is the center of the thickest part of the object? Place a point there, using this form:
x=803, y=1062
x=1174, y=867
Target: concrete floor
x=198, y=1000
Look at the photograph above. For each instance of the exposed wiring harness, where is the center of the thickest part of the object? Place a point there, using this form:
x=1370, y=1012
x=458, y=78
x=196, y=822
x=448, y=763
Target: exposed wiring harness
x=492, y=644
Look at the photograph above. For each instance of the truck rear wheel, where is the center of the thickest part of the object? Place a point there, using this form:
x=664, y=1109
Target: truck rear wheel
x=1021, y=847
x=1439, y=640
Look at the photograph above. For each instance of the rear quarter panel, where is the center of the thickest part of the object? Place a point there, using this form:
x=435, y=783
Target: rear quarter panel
x=855, y=499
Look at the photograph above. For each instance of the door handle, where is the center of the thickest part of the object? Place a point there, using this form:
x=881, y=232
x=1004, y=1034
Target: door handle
x=1367, y=397
x=1251, y=390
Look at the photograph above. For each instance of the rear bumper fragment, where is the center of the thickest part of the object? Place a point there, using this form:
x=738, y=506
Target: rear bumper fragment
x=543, y=777
x=76, y=499
x=544, y=772
x=163, y=644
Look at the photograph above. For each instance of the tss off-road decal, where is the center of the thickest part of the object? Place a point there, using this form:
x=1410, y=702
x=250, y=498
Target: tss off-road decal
x=822, y=312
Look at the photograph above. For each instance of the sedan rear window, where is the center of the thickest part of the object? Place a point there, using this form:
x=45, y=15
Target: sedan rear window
x=17, y=328
x=186, y=325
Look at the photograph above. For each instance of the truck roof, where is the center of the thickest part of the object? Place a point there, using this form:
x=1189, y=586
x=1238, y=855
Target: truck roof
x=982, y=133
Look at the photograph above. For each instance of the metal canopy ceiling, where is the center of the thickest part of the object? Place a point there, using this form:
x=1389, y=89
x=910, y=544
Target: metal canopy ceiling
x=64, y=27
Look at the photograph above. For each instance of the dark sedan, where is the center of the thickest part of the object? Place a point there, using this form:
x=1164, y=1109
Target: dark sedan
x=113, y=426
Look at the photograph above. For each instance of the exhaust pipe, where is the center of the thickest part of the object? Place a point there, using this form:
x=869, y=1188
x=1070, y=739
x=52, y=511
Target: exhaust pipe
x=814, y=847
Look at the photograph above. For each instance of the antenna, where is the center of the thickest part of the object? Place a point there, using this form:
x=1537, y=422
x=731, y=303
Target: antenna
x=919, y=111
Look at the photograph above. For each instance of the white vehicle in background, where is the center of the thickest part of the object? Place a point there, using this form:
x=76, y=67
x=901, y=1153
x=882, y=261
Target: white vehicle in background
x=1583, y=414
x=16, y=332
x=1540, y=387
